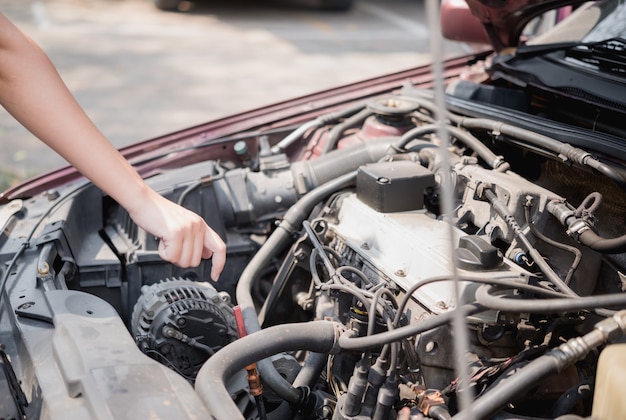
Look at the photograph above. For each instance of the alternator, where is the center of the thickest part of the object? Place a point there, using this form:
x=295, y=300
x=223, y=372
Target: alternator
x=181, y=323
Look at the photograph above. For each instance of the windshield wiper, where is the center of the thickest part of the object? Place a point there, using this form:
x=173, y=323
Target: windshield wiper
x=608, y=55
x=528, y=51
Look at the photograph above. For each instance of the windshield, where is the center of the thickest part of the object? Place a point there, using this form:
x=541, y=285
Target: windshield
x=591, y=22
x=612, y=23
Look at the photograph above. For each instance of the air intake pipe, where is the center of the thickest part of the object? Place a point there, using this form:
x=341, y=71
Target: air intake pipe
x=246, y=196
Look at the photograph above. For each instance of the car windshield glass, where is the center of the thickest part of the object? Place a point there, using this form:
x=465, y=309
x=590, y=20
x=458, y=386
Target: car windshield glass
x=612, y=25
x=596, y=33
x=592, y=22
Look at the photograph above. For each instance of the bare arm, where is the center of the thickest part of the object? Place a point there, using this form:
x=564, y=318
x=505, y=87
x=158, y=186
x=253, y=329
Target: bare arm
x=34, y=93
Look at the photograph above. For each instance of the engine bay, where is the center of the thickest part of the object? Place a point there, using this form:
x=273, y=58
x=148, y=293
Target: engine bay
x=343, y=279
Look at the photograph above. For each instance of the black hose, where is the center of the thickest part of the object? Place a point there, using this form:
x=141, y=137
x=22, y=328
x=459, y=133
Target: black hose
x=572, y=153
x=502, y=415
x=339, y=129
x=272, y=247
x=572, y=397
x=579, y=228
x=507, y=281
x=311, y=370
x=348, y=342
x=316, y=336
x=484, y=296
x=539, y=235
x=575, y=349
x=606, y=246
x=320, y=121
x=503, y=212
x=414, y=133
x=439, y=412
x=494, y=161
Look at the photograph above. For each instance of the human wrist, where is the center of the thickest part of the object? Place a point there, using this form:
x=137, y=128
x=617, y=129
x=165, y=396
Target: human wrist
x=137, y=197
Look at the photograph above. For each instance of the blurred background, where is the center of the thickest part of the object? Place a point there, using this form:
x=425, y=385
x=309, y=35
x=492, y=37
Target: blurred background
x=140, y=72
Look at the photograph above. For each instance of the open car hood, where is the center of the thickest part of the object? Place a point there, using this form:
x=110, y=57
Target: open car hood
x=504, y=20
x=343, y=261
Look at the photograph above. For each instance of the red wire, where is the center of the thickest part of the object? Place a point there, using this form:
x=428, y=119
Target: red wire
x=241, y=326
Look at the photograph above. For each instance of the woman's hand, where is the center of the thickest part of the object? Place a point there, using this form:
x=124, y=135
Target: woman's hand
x=184, y=237
x=34, y=93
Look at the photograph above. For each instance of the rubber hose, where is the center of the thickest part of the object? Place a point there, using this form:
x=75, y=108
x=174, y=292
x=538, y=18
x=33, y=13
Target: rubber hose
x=545, y=268
x=310, y=174
x=502, y=415
x=413, y=134
x=316, y=336
x=272, y=247
x=348, y=342
x=493, y=160
x=546, y=306
x=606, y=246
x=554, y=361
x=320, y=121
x=572, y=397
x=509, y=388
x=311, y=371
x=572, y=153
x=339, y=129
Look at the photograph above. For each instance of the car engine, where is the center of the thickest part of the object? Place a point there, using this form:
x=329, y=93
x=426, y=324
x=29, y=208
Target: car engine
x=357, y=240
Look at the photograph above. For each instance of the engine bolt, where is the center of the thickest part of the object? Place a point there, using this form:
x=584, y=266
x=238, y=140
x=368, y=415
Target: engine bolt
x=52, y=195
x=400, y=273
x=300, y=255
x=430, y=347
x=25, y=305
x=181, y=322
x=383, y=180
x=43, y=269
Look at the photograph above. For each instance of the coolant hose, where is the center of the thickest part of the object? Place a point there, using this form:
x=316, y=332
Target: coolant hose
x=604, y=245
x=273, y=246
x=311, y=370
x=494, y=161
x=337, y=131
x=315, y=336
x=554, y=361
x=320, y=121
x=572, y=153
x=349, y=342
x=580, y=230
x=485, y=297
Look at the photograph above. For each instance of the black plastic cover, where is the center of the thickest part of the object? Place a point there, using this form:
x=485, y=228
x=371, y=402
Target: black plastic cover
x=390, y=187
x=474, y=253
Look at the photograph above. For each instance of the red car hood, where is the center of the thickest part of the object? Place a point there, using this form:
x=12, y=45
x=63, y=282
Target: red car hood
x=504, y=20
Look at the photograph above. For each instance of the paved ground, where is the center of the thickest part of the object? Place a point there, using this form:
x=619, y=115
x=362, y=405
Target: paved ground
x=140, y=72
